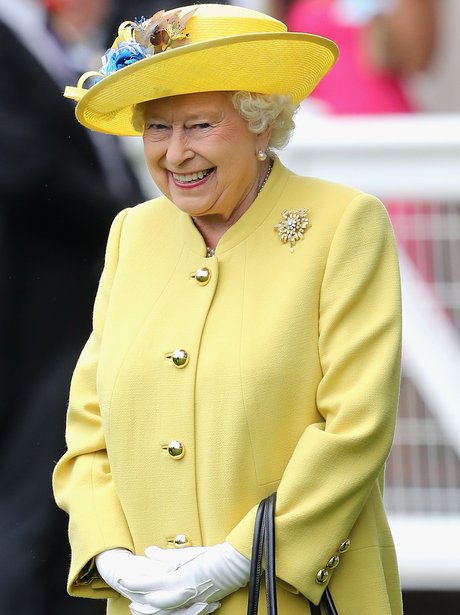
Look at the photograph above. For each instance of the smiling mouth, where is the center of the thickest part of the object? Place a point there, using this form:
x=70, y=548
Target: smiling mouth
x=191, y=178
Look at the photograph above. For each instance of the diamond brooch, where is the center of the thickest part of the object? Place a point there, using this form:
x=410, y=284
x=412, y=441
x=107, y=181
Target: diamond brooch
x=292, y=226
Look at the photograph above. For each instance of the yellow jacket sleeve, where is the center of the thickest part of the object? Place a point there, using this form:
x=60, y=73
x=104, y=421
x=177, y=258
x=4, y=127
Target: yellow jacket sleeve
x=339, y=460
x=82, y=480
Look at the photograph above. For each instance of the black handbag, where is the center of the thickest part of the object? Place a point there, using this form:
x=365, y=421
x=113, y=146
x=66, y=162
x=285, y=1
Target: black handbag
x=264, y=544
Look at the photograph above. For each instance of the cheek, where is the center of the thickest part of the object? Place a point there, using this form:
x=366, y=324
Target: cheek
x=241, y=167
x=152, y=153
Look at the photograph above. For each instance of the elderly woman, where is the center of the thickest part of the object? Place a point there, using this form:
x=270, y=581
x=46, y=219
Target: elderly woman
x=246, y=339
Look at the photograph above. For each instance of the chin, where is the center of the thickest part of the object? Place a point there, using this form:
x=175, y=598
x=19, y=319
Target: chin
x=192, y=209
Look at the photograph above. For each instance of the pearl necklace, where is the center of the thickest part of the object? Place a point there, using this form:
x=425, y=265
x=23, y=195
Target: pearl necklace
x=267, y=175
x=211, y=251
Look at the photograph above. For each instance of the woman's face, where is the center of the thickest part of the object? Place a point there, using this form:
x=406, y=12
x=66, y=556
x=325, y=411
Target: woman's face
x=202, y=155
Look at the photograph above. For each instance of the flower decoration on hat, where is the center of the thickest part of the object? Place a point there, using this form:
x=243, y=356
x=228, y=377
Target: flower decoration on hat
x=124, y=54
x=292, y=226
x=140, y=39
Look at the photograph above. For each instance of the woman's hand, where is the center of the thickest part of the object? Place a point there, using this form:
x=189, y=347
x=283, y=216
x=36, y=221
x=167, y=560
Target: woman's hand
x=194, y=575
x=114, y=564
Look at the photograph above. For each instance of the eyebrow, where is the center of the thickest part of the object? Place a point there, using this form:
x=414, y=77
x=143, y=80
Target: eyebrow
x=207, y=114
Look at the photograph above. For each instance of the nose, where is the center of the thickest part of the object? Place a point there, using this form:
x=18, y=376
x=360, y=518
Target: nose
x=178, y=148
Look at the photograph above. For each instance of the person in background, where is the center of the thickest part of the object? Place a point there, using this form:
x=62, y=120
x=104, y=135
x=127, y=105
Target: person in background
x=381, y=42
x=60, y=186
x=246, y=339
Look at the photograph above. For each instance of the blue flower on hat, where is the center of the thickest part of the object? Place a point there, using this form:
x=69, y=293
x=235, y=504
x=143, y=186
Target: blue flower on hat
x=123, y=55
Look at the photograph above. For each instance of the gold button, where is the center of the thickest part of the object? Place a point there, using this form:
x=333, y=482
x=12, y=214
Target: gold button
x=181, y=541
x=333, y=562
x=345, y=545
x=202, y=276
x=179, y=357
x=322, y=576
x=176, y=449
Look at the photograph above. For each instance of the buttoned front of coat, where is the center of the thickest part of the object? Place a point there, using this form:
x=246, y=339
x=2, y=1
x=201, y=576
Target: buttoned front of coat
x=208, y=383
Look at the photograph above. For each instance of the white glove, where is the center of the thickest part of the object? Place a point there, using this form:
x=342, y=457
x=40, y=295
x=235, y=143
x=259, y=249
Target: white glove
x=197, y=574
x=114, y=563
x=198, y=608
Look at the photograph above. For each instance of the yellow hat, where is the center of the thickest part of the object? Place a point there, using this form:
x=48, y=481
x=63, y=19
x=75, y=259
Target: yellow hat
x=198, y=48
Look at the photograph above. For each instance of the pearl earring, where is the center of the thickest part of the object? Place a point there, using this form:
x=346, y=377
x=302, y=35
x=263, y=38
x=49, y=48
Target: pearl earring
x=261, y=155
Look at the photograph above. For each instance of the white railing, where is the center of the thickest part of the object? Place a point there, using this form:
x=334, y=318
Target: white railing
x=394, y=156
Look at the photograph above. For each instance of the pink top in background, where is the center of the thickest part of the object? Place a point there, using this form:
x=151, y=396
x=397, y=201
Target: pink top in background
x=353, y=86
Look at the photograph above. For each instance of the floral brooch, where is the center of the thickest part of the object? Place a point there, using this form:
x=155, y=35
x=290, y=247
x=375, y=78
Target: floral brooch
x=292, y=226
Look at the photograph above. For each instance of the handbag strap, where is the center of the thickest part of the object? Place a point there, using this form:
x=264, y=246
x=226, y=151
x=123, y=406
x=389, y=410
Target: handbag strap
x=270, y=570
x=264, y=544
x=328, y=603
x=256, y=560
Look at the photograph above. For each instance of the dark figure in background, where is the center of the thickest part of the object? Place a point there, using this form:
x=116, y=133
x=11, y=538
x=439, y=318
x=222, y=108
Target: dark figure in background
x=56, y=205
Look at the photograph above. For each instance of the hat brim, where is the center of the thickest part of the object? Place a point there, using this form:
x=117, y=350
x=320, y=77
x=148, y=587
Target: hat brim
x=287, y=63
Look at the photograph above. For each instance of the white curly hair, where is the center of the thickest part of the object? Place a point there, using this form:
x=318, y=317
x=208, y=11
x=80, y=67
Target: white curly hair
x=267, y=110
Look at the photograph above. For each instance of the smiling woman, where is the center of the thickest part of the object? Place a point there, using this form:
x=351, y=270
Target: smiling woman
x=246, y=339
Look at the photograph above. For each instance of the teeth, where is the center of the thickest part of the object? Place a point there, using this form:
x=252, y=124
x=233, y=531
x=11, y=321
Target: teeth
x=192, y=177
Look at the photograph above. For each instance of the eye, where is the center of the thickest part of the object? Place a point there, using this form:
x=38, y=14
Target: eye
x=156, y=131
x=199, y=126
x=155, y=126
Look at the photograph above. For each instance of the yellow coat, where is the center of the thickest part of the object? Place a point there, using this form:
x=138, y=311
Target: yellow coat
x=291, y=384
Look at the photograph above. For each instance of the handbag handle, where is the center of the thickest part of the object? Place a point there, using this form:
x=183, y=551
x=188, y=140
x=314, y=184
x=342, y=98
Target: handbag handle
x=256, y=560
x=264, y=544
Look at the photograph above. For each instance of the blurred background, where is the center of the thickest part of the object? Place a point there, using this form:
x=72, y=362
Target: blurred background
x=385, y=120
